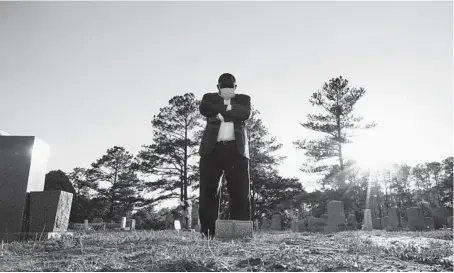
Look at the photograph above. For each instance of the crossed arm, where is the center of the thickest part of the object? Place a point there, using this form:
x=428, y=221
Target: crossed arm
x=239, y=110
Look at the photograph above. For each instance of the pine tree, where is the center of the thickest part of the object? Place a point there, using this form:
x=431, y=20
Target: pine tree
x=172, y=158
x=337, y=123
x=119, y=184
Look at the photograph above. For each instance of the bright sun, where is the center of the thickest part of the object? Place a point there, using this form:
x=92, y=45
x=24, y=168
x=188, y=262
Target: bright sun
x=369, y=152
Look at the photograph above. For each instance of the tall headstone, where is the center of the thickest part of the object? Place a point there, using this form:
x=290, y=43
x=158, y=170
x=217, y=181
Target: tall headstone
x=86, y=224
x=351, y=221
x=439, y=215
x=367, y=224
x=336, y=216
x=384, y=222
x=123, y=223
x=131, y=223
x=394, y=219
x=276, y=223
x=415, y=219
x=23, y=161
x=317, y=224
x=450, y=221
x=49, y=211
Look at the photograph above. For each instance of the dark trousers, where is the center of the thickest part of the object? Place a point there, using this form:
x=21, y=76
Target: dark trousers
x=225, y=157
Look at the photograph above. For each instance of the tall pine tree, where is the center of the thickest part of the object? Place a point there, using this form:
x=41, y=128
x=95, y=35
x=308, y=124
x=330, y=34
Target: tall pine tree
x=336, y=100
x=172, y=158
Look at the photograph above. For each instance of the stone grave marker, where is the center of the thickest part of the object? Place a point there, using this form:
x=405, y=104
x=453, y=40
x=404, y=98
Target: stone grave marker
x=429, y=223
x=265, y=223
x=97, y=220
x=415, y=219
x=23, y=161
x=450, y=221
x=131, y=223
x=49, y=211
x=123, y=223
x=276, y=223
x=336, y=216
x=376, y=223
x=384, y=222
x=394, y=219
x=317, y=224
x=439, y=215
x=351, y=222
x=367, y=222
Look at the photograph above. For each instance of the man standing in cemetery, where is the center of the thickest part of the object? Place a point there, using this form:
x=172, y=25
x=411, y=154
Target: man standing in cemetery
x=224, y=148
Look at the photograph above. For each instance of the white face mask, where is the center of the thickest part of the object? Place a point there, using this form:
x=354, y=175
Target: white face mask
x=227, y=93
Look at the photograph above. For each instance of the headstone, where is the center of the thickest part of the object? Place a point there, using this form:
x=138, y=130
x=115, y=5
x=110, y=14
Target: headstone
x=86, y=224
x=450, y=222
x=415, y=219
x=336, y=216
x=351, y=221
x=123, y=223
x=367, y=222
x=233, y=229
x=169, y=220
x=384, y=222
x=439, y=215
x=197, y=227
x=376, y=223
x=394, y=219
x=403, y=222
x=265, y=223
x=301, y=225
x=429, y=223
x=131, y=223
x=23, y=161
x=317, y=224
x=177, y=225
x=276, y=223
x=49, y=211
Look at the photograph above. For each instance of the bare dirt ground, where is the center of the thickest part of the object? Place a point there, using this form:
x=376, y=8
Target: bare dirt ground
x=268, y=251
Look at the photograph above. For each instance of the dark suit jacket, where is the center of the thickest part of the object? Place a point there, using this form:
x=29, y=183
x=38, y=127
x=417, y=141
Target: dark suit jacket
x=211, y=105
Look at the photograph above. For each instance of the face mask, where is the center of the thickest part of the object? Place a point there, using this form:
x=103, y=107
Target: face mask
x=227, y=93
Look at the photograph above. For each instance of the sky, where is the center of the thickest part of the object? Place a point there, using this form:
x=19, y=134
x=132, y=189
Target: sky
x=85, y=76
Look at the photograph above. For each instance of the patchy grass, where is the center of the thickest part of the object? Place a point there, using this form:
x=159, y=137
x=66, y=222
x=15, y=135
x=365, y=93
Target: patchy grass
x=270, y=251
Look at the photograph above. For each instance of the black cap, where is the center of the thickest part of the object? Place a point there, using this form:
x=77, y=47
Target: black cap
x=226, y=80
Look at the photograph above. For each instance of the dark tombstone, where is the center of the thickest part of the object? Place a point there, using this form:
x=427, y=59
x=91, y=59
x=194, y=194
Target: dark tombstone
x=49, y=211
x=23, y=161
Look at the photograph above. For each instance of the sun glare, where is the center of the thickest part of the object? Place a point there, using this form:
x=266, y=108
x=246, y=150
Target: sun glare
x=369, y=152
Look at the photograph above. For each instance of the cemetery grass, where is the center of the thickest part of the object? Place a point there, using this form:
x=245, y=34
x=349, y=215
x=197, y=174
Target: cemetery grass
x=378, y=250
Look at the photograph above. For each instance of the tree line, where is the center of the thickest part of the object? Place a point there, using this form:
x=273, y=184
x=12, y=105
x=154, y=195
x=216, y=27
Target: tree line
x=119, y=183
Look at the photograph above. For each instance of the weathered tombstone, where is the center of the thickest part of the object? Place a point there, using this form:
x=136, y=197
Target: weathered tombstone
x=265, y=223
x=415, y=219
x=131, y=223
x=233, y=229
x=276, y=223
x=336, y=216
x=439, y=215
x=429, y=223
x=23, y=161
x=169, y=220
x=384, y=222
x=367, y=222
x=197, y=227
x=376, y=223
x=351, y=221
x=317, y=224
x=86, y=224
x=123, y=223
x=403, y=222
x=450, y=221
x=301, y=225
x=49, y=211
x=394, y=219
